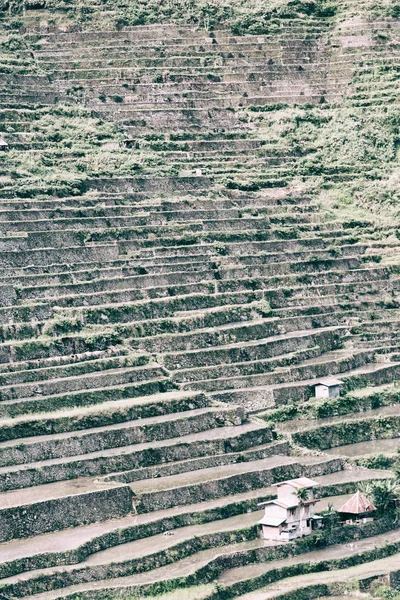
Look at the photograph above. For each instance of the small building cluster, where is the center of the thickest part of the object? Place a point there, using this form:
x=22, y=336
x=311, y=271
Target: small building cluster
x=292, y=514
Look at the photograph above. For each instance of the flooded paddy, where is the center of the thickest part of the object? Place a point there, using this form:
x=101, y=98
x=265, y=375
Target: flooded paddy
x=370, y=448
x=333, y=552
x=298, y=425
x=291, y=584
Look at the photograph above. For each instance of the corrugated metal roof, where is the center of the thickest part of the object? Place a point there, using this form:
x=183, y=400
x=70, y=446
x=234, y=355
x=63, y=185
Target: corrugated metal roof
x=300, y=482
x=329, y=381
x=357, y=505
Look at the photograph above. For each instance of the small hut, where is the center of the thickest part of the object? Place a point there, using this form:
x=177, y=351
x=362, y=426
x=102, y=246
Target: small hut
x=328, y=387
x=3, y=145
x=358, y=508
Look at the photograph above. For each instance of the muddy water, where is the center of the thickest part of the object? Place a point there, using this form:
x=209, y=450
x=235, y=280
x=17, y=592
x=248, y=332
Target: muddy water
x=73, y=538
x=149, y=545
x=178, y=569
x=281, y=588
x=305, y=424
x=339, y=551
x=372, y=447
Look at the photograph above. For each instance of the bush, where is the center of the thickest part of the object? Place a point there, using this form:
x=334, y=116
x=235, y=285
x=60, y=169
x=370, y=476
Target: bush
x=394, y=11
x=386, y=593
x=376, y=462
x=63, y=326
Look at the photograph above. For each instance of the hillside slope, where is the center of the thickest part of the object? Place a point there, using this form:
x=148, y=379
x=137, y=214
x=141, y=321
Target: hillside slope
x=199, y=219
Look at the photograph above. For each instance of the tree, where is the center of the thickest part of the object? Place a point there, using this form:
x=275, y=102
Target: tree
x=396, y=466
x=331, y=518
x=302, y=494
x=385, y=494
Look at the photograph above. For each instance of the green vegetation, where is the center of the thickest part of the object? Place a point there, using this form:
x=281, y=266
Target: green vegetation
x=72, y=149
x=382, y=591
x=15, y=54
x=241, y=16
x=190, y=234
x=343, y=405
x=397, y=465
x=384, y=495
x=379, y=461
x=349, y=432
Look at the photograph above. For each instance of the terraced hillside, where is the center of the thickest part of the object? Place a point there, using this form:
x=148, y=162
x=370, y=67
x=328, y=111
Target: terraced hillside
x=198, y=220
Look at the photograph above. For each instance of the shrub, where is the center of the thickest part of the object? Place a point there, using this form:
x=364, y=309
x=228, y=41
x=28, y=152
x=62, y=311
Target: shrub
x=386, y=593
x=376, y=462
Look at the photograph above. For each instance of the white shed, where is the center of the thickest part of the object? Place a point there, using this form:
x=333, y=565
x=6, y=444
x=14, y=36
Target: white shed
x=328, y=387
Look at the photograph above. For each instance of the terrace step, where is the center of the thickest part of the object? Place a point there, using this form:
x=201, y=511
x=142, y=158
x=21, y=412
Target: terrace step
x=256, y=452
x=63, y=445
x=372, y=448
x=40, y=499
x=127, y=552
x=255, y=349
x=26, y=513
x=187, y=567
x=64, y=367
x=104, y=413
x=241, y=574
x=88, y=538
x=85, y=381
x=366, y=572
x=197, y=439
x=368, y=373
x=299, y=426
x=156, y=383
x=131, y=551
x=211, y=483
x=379, y=423
x=287, y=386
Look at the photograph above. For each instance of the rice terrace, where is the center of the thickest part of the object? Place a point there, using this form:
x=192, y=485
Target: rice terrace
x=199, y=299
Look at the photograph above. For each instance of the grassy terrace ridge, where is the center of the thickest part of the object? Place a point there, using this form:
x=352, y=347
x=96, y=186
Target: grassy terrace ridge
x=199, y=219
